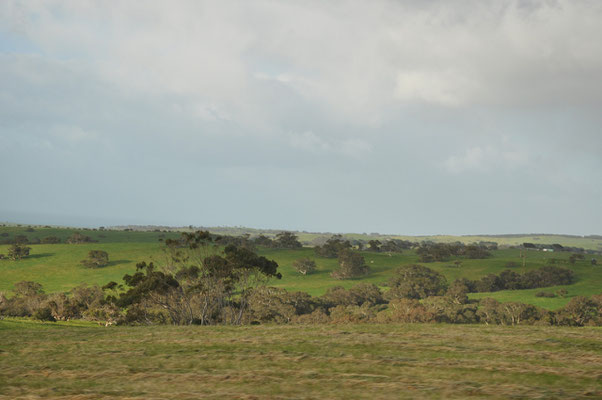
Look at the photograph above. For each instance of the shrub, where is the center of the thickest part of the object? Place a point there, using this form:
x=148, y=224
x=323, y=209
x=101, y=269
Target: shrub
x=581, y=311
x=304, y=265
x=44, y=314
x=544, y=294
x=17, y=251
x=96, y=259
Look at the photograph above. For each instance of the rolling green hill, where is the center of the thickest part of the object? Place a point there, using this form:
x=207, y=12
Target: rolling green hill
x=57, y=266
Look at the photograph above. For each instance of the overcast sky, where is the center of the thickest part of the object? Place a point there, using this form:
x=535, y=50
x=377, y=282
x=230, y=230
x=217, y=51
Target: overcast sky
x=410, y=117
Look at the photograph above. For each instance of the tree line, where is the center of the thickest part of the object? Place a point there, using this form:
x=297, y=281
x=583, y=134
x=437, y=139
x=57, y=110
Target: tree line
x=202, y=282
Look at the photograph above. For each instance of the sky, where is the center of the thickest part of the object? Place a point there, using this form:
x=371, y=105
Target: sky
x=408, y=117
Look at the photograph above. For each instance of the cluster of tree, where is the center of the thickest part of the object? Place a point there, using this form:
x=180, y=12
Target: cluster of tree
x=155, y=297
x=282, y=240
x=198, y=285
x=332, y=247
x=509, y=280
x=430, y=252
x=19, y=239
x=84, y=302
x=387, y=246
x=78, y=238
x=558, y=247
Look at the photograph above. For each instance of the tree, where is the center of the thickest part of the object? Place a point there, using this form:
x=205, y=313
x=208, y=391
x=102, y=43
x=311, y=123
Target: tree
x=264, y=241
x=374, y=245
x=458, y=291
x=17, y=251
x=581, y=311
x=393, y=246
x=304, y=265
x=21, y=239
x=476, y=251
x=332, y=247
x=51, y=240
x=351, y=265
x=198, y=284
x=356, y=296
x=96, y=259
x=77, y=238
x=416, y=282
x=287, y=240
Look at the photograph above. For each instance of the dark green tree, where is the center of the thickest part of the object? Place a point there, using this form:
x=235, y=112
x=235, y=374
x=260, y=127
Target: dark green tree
x=287, y=240
x=332, y=247
x=416, y=282
x=351, y=265
x=374, y=245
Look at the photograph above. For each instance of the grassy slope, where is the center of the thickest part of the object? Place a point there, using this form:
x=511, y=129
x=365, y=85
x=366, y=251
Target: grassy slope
x=346, y=361
x=57, y=267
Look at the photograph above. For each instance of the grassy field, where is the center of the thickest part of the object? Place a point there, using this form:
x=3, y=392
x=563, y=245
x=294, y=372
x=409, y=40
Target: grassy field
x=57, y=267
x=300, y=362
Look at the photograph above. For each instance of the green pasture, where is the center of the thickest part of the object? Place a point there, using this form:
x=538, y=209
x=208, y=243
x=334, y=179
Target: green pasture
x=57, y=267
x=355, y=361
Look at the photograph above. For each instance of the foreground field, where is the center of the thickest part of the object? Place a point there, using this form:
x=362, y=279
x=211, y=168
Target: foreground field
x=346, y=361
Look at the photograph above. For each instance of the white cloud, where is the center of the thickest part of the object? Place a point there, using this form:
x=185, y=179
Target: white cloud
x=484, y=159
x=309, y=141
x=358, y=60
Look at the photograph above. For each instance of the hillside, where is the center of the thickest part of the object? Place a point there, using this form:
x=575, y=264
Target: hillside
x=57, y=266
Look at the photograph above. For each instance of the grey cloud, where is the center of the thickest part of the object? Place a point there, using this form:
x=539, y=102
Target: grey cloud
x=410, y=117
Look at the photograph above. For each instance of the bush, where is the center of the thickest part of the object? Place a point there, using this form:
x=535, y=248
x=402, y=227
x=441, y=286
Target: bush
x=545, y=294
x=581, y=311
x=17, y=251
x=44, y=314
x=96, y=259
x=304, y=265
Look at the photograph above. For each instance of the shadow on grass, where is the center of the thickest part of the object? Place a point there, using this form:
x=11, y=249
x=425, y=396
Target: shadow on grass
x=40, y=255
x=117, y=262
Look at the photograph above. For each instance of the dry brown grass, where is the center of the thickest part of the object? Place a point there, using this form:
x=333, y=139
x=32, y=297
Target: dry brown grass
x=299, y=362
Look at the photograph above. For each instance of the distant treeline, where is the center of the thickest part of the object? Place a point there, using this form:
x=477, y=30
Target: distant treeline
x=202, y=284
x=75, y=238
x=558, y=247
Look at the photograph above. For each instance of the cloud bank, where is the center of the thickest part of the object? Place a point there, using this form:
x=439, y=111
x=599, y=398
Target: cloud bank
x=391, y=116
